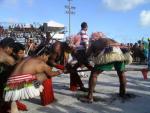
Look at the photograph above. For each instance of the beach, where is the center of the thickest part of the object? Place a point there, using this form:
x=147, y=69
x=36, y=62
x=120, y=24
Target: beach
x=106, y=96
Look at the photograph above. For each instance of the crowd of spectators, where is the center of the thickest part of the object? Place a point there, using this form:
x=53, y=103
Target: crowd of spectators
x=139, y=51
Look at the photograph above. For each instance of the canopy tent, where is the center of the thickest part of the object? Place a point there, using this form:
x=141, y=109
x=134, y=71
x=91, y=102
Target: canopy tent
x=58, y=36
x=55, y=29
x=52, y=26
x=27, y=26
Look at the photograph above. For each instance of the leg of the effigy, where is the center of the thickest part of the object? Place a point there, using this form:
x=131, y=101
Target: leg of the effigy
x=47, y=96
x=73, y=80
x=73, y=83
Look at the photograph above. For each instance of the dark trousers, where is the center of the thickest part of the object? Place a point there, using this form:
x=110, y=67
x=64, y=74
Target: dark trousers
x=82, y=59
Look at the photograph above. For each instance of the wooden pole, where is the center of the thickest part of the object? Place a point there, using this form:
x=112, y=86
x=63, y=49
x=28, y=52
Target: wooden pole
x=127, y=69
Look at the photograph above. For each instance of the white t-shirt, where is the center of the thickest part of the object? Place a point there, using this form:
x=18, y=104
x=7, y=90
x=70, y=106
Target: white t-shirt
x=84, y=36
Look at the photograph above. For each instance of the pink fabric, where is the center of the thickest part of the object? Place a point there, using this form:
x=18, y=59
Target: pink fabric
x=75, y=40
x=84, y=35
x=21, y=78
x=97, y=35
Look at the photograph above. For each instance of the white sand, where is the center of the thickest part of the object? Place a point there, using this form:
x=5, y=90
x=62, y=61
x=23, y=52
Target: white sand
x=106, y=90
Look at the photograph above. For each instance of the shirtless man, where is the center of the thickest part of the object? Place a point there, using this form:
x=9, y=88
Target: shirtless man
x=6, y=65
x=59, y=59
x=106, y=53
x=24, y=82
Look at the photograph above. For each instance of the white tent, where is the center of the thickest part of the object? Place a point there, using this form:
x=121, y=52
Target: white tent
x=52, y=23
x=55, y=29
x=27, y=26
x=53, y=26
x=58, y=36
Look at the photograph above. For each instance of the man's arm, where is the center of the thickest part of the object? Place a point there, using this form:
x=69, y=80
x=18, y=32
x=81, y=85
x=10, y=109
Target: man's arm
x=46, y=69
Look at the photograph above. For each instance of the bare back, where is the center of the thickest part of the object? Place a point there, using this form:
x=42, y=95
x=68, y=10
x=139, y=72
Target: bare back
x=36, y=67
x=29, y=66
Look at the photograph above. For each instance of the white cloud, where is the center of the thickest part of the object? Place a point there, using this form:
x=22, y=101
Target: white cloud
x=145, y=18
x=123, y=5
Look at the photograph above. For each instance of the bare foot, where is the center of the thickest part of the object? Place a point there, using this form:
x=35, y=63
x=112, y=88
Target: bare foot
x=85, y=100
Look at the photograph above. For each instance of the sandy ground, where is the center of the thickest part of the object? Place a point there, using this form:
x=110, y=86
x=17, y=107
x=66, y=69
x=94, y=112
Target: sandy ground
x=137, y=101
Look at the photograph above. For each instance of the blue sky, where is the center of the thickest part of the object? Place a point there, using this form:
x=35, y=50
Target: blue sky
x=123, y=20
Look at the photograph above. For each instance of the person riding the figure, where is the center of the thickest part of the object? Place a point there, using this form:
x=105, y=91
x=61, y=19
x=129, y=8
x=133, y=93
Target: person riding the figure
x=84, y=36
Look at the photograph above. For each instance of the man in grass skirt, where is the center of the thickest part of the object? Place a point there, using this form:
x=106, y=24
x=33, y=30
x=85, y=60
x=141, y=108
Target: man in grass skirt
x=24, y=82
x=106, y=53
x=6, y=66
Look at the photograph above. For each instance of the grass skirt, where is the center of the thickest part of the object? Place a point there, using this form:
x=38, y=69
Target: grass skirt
x=22, y=87
x=112, y=56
